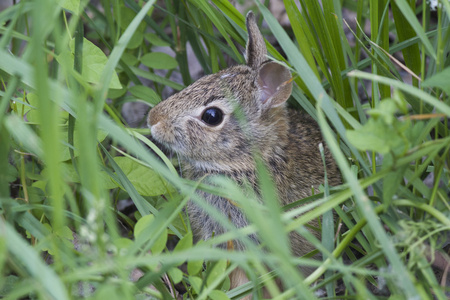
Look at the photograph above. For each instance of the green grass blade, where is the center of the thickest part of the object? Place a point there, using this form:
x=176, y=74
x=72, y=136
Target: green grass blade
x=364, y=204
x=405, y=9
x=440, y=106
x=25, y=255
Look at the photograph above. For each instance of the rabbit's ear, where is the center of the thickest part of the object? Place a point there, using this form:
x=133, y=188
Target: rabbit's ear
x=275, y=84
x=256, y=51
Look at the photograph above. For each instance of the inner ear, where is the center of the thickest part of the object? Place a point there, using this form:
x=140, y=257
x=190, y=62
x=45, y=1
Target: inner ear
x=275, y=84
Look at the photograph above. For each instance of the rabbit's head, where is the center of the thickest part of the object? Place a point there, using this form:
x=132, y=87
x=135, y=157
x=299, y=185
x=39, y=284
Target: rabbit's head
x=214, y=122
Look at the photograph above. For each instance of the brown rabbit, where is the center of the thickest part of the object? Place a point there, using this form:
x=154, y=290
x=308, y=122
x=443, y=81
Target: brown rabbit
x=200, y=125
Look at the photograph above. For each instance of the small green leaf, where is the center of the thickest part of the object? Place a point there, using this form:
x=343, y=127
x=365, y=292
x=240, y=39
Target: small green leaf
x=129, y=59
x=159, y=60
x=196, y=283
x=385, y=110
x=155, y=40
x=383, y=132
x=8, y=284
x=217, y=271
x=160, y=244
x=184, y=243
x=392, y=180
x=64, y=232
x=218, y=295
x=146, y=181
x=439, y=80
x=125, y=16
x=145, y=94
x=372, y=136
x=116, y=93
x=107, y=292
x=11, y=173
x=40, y=184
x=61, y=235
x=194, y=266
x=142, y=224
x=176, y=275
x=123, y=244
x=136, y=40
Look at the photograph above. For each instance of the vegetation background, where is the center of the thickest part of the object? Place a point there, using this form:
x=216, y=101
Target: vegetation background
x=72, y=169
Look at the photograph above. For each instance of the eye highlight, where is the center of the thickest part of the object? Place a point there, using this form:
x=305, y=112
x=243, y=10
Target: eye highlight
x=212, y=116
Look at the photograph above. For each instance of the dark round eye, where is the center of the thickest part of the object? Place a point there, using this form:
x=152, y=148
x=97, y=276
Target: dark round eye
x=212, y=116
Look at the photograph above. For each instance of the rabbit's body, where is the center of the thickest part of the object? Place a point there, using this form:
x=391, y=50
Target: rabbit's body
x=202, y=124
x=295, y=169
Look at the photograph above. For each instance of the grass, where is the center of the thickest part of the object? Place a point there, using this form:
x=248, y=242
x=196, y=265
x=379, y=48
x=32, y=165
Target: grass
x=68, y=157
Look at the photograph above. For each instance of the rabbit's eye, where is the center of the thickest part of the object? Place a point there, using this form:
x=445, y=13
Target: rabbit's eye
x=212, y=116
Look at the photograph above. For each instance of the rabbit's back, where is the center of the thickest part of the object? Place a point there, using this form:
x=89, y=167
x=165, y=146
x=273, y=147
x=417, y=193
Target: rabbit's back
x=304, y=167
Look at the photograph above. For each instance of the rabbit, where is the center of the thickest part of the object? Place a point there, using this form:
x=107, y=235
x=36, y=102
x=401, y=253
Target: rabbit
x=200, y=124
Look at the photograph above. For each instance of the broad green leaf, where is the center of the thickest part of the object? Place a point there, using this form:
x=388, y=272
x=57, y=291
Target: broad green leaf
x=176, y=275
x=159, y=60
x=71, y=5
x=65, y=154
x=145, y=94
x=146, y=181
x=94, y=61
x=31, y=113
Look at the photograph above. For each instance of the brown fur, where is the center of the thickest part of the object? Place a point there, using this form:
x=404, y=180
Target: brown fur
x=286, y=139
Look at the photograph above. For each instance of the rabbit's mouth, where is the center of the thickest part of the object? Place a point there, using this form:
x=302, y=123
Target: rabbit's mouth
x=167, y=141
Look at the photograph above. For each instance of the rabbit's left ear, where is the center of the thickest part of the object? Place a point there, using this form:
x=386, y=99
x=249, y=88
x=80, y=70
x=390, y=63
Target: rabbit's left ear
x=256, y=50
x=275, y=84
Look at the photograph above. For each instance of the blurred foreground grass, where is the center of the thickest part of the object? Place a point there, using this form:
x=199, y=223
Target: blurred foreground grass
x=68, y=159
